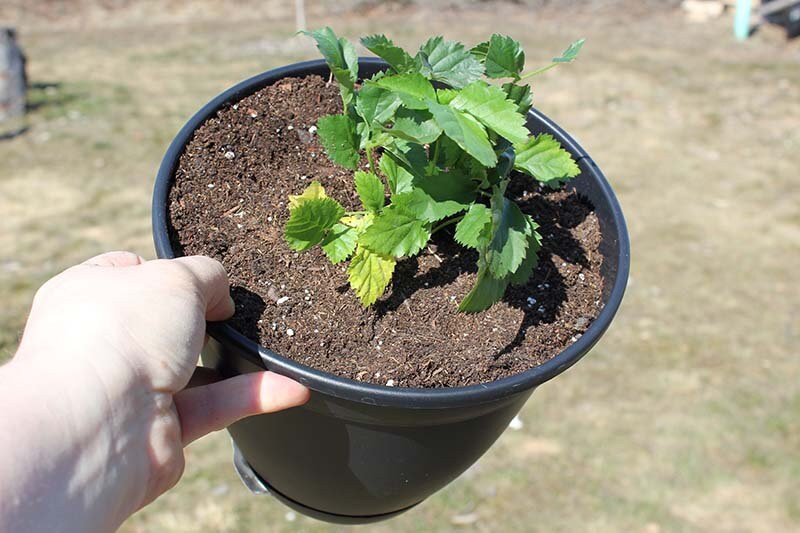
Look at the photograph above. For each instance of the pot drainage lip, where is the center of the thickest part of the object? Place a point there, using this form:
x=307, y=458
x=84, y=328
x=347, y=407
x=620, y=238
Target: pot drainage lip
x=256, y=485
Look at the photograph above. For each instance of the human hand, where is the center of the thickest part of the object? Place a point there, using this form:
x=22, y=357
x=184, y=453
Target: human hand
x=100, y=417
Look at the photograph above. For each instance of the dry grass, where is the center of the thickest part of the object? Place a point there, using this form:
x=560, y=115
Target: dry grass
x=685, y=417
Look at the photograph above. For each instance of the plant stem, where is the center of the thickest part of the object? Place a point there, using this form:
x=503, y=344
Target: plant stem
x=446, y=223
x=369, y=158
x=436, y=153
x=538, y=71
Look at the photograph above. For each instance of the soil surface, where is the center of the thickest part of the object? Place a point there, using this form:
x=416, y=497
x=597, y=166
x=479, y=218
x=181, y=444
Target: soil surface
x=229, y=201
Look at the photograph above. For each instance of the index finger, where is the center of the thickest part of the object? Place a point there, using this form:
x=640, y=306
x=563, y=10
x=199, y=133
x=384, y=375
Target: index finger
x=212, y=282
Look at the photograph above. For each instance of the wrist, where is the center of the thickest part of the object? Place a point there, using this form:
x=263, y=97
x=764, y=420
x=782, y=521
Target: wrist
x=65, y=446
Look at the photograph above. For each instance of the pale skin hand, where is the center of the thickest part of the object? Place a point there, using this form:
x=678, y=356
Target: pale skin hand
x=94, y=416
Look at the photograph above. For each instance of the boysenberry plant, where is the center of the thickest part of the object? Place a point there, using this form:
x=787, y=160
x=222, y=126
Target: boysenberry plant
x=448, y=142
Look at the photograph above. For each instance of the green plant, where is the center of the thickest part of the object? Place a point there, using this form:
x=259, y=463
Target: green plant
x=448, y=141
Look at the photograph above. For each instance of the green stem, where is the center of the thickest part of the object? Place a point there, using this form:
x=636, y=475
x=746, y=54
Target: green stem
x=538, y=71
x=372, y=167
x=436, y=153
x=446, y=223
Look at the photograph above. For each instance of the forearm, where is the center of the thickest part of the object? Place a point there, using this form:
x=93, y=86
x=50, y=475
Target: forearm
x=54, y=457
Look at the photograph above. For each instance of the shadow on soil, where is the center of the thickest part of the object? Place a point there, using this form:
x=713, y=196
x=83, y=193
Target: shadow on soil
x=555, y=218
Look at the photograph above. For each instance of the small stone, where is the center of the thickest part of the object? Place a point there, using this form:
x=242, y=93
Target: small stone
x=272, y=294
x=307, y=298
x=290, y=127
x=581, y=323
x=581, y=277
x=312, y=130
x=390, y=383
x=290, y=332
x=229, y=155
x=211, y=185
x=282, y=300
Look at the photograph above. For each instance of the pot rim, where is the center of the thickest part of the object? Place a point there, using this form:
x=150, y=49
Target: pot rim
x=368, y=393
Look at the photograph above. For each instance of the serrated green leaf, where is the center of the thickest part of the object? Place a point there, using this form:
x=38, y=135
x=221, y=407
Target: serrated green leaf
x=519, y=94
x=543, y=158
x=396, y=232
x=466, y=131
x=309, y=221
x=436, y=197
x=313, y=191
x=525, y=270
x=570, y=53
x=509, y=242
x=449, y=62
x=369, y=274
x=450, y=153
x=504, y=57
x=370, y=190
x=397, y=176
x=475, y=228
x=487, y=291
x=490, y=106
x=413, y=88
x=384, y=48
x=339, y=243
x=411, y=155
x=341, y=57
x=480, y=50
x=422, y=132
x=358, y=222
x=445, y=96
x=338, y=135
x=376, y=105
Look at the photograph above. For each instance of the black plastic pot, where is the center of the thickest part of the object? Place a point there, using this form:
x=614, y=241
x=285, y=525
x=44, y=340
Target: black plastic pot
x=358, y=452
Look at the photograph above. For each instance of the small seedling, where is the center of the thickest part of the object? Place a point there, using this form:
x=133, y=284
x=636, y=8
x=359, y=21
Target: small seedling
x=448, y=141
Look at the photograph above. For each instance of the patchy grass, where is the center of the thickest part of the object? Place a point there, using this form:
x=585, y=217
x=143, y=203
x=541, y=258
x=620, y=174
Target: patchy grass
x=684, y=418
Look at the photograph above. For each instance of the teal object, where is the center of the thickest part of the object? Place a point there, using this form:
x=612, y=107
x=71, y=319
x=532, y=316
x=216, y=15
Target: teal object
x=741, y=22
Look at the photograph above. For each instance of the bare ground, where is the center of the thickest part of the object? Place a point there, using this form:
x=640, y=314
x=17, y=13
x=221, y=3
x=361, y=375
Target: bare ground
x=685, y=416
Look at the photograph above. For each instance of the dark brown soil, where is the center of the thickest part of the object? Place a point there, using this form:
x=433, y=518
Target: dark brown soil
x=229, y=202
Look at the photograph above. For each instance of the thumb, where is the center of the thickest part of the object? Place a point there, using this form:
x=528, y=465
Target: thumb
x=216, y=406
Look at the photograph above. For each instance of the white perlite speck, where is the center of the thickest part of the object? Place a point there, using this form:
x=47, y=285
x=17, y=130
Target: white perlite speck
x=229, y=155
x=312, y=130
x=282, y=300
x=390, y=383
x=290, y=332
x=515, y=424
